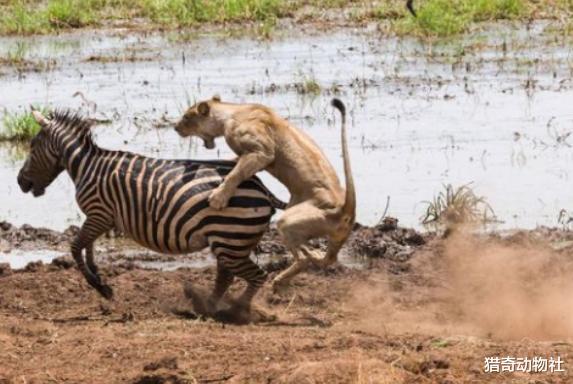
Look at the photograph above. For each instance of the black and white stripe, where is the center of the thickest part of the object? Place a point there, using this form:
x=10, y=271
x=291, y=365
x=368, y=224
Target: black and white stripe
x=161, y=204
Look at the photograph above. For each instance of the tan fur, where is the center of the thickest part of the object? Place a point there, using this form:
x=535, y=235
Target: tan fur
x=319, y=206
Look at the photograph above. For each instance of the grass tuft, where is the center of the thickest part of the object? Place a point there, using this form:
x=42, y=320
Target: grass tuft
x=307, y=85
x=450, y=17
x=190, y=12
x=69, y=14
x=454, y=207
x=16, y=55
x=20, y=126
x=33, y=17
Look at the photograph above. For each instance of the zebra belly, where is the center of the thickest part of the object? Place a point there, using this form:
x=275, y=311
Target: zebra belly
x=197, y=241
x=190, y=225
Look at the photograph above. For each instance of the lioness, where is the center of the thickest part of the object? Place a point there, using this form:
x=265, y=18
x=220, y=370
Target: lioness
x=319, y=205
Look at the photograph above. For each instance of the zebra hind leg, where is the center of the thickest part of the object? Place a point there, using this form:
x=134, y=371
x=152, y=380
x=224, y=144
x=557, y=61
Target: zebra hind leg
x=240, y=311
x=247, y=270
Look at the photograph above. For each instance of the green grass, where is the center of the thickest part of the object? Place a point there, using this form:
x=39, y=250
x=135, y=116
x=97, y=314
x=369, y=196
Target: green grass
x=70, y=13
x=16, y=55
x=435, y=17
x=190, y=12
x=33, y=17
x=19, y=126
x=450, y=17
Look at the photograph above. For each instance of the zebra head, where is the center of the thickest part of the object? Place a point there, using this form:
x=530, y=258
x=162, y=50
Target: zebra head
x=43, y=164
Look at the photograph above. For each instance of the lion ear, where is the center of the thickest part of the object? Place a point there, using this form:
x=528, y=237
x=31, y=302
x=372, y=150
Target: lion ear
x=203, y=108
x=216, y=98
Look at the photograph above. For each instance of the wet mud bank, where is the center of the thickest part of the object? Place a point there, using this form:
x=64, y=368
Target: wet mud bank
x=42, y=245
x=430, y=316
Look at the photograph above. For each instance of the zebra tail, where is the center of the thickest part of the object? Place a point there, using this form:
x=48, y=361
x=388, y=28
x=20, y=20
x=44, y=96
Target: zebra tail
x=277, y=203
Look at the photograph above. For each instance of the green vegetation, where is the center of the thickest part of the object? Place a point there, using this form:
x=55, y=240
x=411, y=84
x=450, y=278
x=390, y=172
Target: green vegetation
x=189, y=12
x=449, y=17
x=69, y=13
x=454, y=207
x=29, y=17
x=435, y=17
x=19, y=126
x=16, y=55
x=308, y=87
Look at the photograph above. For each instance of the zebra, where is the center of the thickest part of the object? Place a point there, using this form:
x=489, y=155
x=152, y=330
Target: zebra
x=161, y=204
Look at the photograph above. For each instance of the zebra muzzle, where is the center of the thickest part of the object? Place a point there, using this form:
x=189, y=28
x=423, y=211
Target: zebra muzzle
x=25, y=184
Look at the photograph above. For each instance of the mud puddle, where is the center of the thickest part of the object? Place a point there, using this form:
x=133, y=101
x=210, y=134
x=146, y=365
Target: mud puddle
x=492, y=109
x=18, y=259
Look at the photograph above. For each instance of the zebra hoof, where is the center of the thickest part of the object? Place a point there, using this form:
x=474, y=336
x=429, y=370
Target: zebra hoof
x=106, y=291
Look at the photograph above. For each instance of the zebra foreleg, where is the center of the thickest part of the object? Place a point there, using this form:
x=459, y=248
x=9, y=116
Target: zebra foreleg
x=91, y=229
x=90, y=259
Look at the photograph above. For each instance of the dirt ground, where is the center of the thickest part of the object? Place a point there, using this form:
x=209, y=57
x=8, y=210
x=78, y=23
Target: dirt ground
x=422, y=309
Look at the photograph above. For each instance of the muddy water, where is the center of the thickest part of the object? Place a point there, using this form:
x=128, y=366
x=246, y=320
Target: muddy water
x=18, y=259
x=493, y=108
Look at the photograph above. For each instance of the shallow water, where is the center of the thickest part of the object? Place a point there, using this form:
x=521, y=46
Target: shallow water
x=474, y=110
x=18, y=259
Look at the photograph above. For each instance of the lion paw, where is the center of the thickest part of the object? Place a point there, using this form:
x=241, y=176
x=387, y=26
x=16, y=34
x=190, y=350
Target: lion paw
x=218, y=199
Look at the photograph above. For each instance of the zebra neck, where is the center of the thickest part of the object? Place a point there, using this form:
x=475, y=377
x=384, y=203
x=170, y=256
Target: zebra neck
x=77, y=152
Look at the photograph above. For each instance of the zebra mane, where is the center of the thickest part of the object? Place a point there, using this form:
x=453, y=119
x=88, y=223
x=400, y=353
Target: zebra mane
x=74, y=121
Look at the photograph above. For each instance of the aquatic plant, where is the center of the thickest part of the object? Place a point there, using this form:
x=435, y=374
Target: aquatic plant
x=307, y=85
x=17, y=54
x=565, y=219
x=457, y=206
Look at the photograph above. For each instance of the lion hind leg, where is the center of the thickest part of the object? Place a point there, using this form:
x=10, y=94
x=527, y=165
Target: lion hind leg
x=297, y=225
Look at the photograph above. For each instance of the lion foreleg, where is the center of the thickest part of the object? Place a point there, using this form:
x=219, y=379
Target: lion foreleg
x=246, y=167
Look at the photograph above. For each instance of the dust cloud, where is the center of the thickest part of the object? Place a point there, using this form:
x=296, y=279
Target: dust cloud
x=470, y=285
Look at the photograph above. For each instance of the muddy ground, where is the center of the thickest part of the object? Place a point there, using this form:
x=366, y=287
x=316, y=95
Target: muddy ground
x=420, y=309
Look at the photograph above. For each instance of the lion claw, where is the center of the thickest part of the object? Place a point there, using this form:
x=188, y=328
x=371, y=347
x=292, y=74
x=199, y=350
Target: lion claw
x=218, y=200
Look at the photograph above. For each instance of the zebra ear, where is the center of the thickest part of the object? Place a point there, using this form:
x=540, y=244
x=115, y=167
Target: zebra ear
x=41, y=119
x=203, y=108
